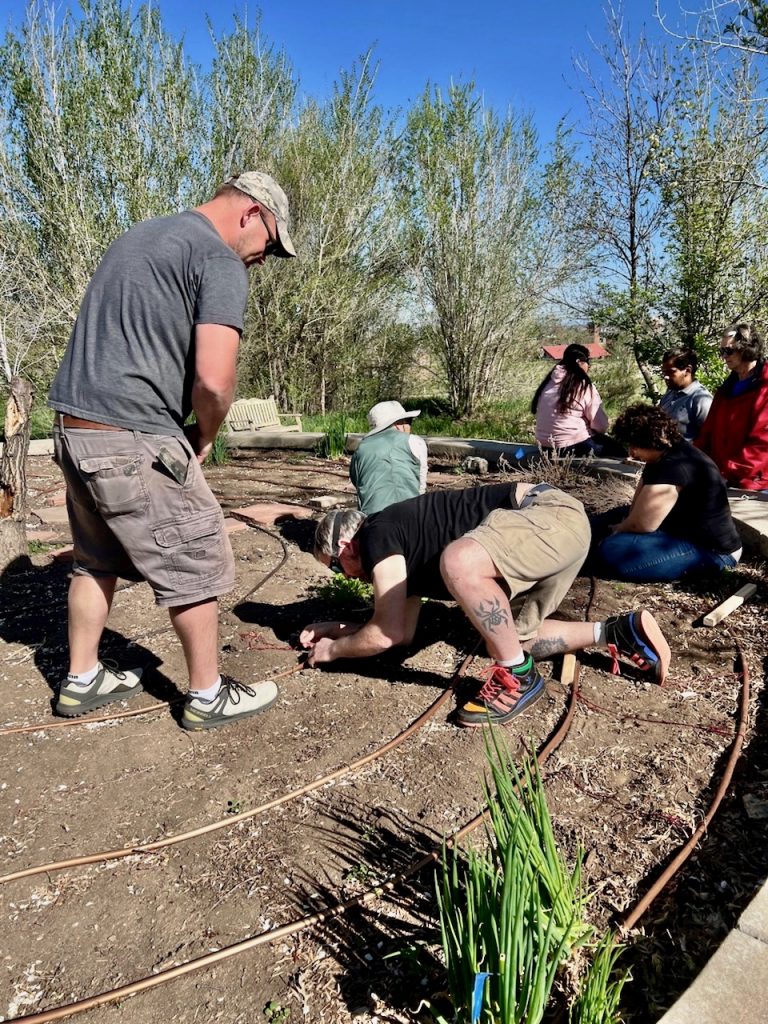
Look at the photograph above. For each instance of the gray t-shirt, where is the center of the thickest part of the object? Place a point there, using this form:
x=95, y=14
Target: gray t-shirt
x=131, y=357
x=689, y=407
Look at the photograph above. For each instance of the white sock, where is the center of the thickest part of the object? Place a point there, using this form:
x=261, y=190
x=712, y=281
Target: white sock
x=519, y=660
x=209, y=694
x=84, y=678
x=599, y=628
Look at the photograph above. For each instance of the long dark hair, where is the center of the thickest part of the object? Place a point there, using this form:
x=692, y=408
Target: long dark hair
x=573, y=383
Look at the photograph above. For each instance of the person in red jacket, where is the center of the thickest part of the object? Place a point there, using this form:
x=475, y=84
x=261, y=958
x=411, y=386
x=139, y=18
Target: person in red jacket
x=735, y=432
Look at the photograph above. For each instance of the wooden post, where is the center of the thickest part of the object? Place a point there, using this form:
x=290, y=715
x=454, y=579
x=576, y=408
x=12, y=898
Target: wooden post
x=729, y=605
x=13, y=475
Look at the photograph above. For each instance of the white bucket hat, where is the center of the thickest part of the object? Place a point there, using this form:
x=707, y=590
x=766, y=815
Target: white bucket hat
x=385, y=414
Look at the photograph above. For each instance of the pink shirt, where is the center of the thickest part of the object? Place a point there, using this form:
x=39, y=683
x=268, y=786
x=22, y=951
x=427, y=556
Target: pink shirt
x=586, y=416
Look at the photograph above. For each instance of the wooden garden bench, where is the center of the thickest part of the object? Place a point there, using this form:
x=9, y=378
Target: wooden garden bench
x=259, y=414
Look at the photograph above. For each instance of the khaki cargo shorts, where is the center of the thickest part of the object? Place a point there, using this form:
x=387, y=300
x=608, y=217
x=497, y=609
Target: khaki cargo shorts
x=538, y=550
x=131, y=518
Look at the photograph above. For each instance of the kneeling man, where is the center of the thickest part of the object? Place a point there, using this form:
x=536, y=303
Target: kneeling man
x=507, y=554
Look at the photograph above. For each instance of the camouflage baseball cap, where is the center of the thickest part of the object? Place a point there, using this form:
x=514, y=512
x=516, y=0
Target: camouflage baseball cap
x=265, y=190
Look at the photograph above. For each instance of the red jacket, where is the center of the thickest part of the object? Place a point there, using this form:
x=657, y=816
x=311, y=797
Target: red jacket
x=735, y=432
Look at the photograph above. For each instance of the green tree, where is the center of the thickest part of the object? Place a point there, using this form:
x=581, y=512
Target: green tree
x=628, y=98
x=710, y=172
x=321, y=327
x=99, y=119
x=103, y=113
x=488, y=232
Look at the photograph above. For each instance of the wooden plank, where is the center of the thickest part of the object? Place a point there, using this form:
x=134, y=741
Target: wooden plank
x=729, y=605
x=569, y=669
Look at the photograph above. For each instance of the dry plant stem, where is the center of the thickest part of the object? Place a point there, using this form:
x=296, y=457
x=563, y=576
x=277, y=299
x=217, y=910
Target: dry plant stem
x=630, y=919
x=134, y=987
x=182, y=837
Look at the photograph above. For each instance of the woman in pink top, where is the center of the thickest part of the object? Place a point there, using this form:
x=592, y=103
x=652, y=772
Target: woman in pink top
x=567, y=406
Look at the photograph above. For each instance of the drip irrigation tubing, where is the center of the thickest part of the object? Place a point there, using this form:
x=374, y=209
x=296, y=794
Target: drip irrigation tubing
x=265, y=465
x=302, y=924
x=628, y=920
x=70, y=723
x=233, y=819
x=717, y=730
x=17, y=613
x=283, y=484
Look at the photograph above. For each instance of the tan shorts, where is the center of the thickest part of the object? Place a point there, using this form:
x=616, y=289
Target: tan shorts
x=538, y=550
x=130, y=517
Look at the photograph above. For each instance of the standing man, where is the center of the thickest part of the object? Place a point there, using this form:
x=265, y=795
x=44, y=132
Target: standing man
x=686, y=399
x=507, y=554
x=390, y=463
x=155, y=340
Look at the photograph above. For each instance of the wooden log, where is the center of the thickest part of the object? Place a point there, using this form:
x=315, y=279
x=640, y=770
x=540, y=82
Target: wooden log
x=729, y=605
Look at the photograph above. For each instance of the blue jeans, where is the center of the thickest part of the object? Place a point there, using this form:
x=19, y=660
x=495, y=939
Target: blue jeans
x=655, y=557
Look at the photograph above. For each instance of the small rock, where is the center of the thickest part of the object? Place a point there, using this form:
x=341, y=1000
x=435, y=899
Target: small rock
x=323, y=501
x=477, y=466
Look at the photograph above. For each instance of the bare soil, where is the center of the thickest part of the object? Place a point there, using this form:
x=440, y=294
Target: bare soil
x=633, y=778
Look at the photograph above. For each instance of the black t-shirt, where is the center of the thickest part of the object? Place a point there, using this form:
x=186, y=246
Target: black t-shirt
x=701, y=514
x=421, y=528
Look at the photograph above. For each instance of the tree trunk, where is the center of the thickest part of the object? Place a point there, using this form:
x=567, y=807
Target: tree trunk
x=13, y=477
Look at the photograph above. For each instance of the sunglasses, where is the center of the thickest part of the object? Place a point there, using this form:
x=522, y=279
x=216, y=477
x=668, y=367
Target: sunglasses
x=728, y=350
x=272, y=248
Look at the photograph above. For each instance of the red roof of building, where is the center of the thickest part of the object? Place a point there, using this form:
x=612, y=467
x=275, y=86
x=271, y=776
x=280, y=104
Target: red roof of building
x=556, y=351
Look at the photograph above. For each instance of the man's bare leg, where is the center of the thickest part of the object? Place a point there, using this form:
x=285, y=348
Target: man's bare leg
x=197, y=627
x=471, y=576
x=556, y=636
x=89, y=602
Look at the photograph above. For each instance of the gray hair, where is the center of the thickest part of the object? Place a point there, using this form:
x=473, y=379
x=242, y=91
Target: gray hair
x=341, y=524
x=746, y=339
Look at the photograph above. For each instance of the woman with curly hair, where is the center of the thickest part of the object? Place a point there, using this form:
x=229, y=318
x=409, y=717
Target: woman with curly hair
x=567, y=406
x=735, y=432
x=679, y=520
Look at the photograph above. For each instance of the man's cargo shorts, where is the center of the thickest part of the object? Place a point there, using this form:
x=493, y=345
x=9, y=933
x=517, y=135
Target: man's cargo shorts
x=538, y=551
x=131, y=518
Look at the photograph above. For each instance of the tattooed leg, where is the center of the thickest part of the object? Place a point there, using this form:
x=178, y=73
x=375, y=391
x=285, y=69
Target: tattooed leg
x=492, y=615
x=547, y=647
x=557, y=637
x=473, y=580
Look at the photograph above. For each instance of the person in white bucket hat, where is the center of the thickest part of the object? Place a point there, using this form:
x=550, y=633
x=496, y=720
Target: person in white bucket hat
x=390, y=463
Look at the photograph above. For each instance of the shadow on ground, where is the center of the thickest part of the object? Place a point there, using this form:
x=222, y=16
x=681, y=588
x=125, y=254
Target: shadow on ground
x=387, y=950
x=33, y=612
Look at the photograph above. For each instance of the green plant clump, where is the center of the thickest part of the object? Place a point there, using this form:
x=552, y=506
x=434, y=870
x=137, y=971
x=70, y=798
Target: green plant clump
x=511, y=918
x=598, y=999
x=342, y=590
x=219, y=453
x=334, y=443
x=515, y=913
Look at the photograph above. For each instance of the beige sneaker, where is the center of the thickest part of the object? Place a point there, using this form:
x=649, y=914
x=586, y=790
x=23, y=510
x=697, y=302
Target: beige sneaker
x=233, y=701
x=109, y=684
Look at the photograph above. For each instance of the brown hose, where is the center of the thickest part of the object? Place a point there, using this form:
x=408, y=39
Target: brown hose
x=133, y=713
x=129, y=851
x=631, y=917
x=134, y=987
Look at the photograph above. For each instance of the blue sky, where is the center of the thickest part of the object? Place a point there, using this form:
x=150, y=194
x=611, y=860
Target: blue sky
x=518, y=53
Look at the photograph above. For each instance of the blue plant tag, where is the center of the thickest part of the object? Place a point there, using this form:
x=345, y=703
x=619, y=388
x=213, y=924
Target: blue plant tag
x=477, y=995
x=520, y=453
